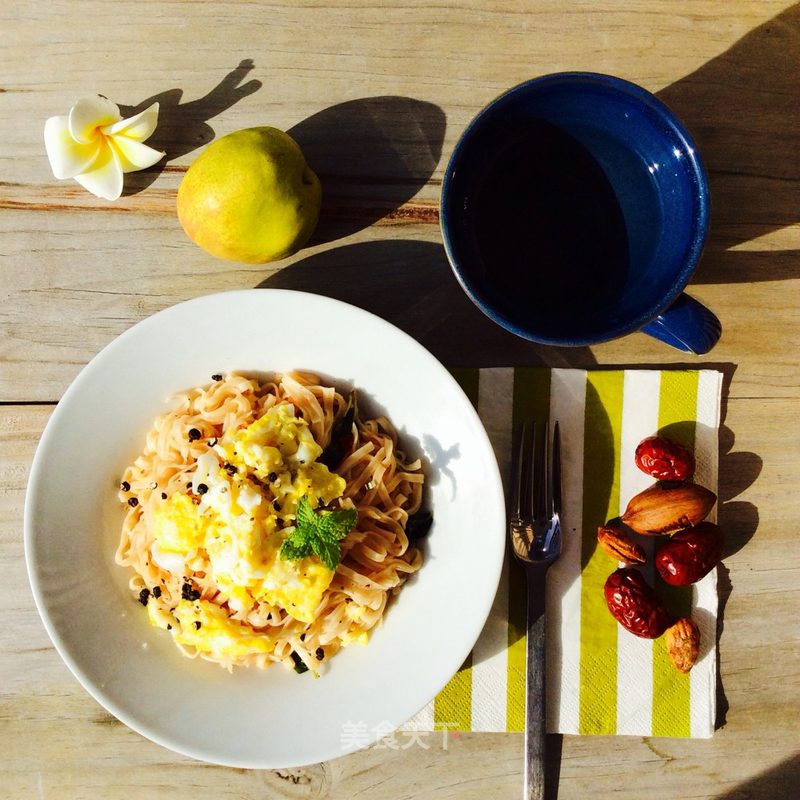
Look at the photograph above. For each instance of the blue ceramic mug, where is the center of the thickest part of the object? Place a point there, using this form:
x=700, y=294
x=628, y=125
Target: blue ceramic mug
x=574, y=210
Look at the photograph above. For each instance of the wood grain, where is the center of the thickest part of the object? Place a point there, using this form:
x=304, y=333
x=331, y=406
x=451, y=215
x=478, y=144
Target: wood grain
x=76, y=740
x=378, y=93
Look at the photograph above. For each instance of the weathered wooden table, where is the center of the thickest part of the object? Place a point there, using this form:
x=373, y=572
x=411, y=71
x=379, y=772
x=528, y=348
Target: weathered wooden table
x=377, y=93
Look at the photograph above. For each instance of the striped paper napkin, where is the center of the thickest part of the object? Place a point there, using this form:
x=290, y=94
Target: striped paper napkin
x=600, y=678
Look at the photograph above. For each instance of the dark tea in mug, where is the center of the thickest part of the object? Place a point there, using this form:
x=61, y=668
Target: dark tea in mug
x=574, y=210
x=548, y=226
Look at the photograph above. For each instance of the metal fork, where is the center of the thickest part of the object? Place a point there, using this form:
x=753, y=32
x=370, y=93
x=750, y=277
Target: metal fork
x=535, y=531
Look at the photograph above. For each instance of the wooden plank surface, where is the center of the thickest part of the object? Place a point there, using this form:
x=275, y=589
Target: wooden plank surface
x=56, y=737
x=378, y=94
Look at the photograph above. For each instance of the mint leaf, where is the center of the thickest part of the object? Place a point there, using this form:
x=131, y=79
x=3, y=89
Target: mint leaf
x=335, y=525
x=318, y=534
x=330, y=554
x=306, y=518
x=296, y=546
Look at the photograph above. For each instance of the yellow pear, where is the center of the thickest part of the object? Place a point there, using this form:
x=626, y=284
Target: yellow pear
x=250, y=196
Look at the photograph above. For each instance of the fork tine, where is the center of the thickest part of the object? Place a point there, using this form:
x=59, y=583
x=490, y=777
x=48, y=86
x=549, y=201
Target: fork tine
x=555, y=471
x=516, y=488
x=539, y=467
x=547, y=463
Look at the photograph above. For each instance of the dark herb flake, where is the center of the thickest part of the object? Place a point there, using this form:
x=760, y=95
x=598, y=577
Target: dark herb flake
x=299, y=664
x=343, y=436
x=418, y=525
x=188, y=592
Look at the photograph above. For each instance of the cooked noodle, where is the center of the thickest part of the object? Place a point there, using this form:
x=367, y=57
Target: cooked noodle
x=376, y=556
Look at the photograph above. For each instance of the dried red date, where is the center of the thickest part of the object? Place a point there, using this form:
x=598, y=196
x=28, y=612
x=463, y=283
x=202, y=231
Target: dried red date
x=690, y=554
x=664, y=459
x=635, y=605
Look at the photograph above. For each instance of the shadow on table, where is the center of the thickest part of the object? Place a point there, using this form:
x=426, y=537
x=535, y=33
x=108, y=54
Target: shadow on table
x=742, y=110
x=410, y=284
x=372, y=155
x=779, y=782
x=183, y=127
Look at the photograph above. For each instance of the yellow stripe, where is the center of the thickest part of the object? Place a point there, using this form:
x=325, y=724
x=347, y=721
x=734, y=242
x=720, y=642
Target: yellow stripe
x=677, y=413
x=517, y=652
x=452, y=708
x=531, y=402
x=601, y=479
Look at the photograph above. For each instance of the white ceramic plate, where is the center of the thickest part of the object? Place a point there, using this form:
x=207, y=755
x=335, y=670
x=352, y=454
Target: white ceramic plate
x=253, y=718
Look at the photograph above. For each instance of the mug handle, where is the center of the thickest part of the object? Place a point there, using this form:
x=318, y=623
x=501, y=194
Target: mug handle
x=687, y=325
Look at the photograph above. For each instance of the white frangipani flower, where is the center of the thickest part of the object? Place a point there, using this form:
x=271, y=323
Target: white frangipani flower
x=96, y=146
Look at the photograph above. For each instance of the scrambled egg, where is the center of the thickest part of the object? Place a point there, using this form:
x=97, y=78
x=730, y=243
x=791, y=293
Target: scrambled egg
x=246, y=491
x=207, y=627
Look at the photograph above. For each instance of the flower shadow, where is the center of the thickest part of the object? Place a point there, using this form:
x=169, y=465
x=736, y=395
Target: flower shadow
x=183, y=127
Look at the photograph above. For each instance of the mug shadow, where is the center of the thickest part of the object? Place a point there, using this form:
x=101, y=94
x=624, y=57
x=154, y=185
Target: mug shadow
x=372, y=155
x=742, y=110
x=410, y=284
x=183, y=127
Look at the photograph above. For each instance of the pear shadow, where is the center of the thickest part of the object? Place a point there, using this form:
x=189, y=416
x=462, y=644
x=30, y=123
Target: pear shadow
x=410, y=284
x=741, y=108
x=372, y=155
x=183, y=127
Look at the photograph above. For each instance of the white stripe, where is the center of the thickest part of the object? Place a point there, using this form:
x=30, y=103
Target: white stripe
x=490, y=666
x=634, y=655
x=567, y=406
x=702, y=678
x=421, y=721
x=490, y=654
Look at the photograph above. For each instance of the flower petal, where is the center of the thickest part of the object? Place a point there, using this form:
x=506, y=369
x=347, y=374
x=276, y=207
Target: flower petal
x=90, y=113
x=67, y=157
x=138, y=127
x=133, y=155
x=104, y=179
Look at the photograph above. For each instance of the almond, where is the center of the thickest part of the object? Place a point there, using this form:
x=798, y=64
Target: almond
x=619, y=545
x=666, y=509
x=683, y=644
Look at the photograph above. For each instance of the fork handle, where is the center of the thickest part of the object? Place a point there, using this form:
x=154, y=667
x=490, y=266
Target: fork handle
x=535, y=722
